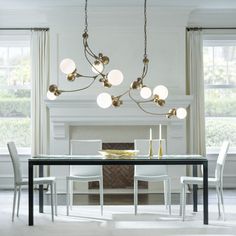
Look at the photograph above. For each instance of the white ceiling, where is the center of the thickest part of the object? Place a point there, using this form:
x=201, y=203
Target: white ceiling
x=212, y=4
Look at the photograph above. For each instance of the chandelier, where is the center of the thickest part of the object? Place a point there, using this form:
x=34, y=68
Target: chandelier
x=114, y=78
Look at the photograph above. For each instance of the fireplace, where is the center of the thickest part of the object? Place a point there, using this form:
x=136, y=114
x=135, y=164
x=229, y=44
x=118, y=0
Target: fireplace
x=121, y=177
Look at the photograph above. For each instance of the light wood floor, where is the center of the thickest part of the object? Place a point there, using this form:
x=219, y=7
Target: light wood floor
x=127, y=199
x=150, y=199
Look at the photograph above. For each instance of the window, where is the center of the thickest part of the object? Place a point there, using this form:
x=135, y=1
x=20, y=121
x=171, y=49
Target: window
x=219, y=57
x=15, y=91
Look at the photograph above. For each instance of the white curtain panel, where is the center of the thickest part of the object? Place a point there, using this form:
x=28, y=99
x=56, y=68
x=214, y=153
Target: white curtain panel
x=195, y=87
x=40, y=83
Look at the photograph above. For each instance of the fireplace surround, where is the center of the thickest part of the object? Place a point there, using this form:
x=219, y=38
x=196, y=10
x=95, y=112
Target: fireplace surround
x=82, y=119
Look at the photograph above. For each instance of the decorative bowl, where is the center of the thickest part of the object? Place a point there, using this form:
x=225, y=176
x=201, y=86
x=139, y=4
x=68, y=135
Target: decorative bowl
x=113, y=153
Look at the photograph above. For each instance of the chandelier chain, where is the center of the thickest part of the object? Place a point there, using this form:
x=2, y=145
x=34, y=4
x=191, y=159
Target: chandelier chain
x=145, y=28
x=86, y=16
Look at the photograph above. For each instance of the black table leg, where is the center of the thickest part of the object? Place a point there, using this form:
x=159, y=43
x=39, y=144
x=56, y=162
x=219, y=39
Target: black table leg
x=205, y=193
x=41, y=190
x=31, y=193
x=195, y=187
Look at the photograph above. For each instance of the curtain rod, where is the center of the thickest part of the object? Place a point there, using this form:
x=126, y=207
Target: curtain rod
x=210, y=28
x=36, y=28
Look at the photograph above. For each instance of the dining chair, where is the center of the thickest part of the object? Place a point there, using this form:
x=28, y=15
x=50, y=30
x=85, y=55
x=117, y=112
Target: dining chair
x=19, y=182
x=152, y=173
x=217, y=182
x=85, y=173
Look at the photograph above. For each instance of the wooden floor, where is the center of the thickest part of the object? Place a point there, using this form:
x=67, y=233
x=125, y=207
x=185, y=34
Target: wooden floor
x=124, y=199
x=147, y=199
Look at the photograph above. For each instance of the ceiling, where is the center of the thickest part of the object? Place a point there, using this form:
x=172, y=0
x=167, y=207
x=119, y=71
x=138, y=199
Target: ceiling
x=212, y=4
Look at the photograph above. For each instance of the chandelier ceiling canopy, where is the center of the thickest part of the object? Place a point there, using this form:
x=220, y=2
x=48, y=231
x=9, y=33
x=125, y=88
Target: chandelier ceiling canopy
x=115, y=77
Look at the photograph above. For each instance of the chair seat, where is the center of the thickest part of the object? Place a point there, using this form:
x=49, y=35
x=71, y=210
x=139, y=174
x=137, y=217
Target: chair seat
x=196, y=180
x=40, y=180
x=84, y=177
x=151, y=178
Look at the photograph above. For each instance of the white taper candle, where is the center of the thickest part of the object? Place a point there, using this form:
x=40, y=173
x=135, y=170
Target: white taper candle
x=159, y=131
x=150, y=134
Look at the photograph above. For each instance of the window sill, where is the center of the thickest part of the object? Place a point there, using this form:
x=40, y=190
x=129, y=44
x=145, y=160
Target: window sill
x=216, y=150
x=21, y=151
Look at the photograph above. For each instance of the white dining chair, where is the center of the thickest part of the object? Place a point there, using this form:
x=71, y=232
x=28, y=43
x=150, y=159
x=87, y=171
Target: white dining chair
x=217, y=181
x=151, y=173
x=85, y=173
x=19, y=181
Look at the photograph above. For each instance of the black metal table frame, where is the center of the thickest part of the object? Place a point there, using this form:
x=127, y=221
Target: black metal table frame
x=144, y=161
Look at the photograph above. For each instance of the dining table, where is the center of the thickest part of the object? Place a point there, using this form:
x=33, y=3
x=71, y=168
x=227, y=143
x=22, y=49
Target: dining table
x=42, y=160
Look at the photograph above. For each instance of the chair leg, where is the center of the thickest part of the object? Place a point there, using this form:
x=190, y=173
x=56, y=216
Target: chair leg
x=183, y=201
x=218, y=198
x=169, y=195
x=52, y=202
x=222, y=202
x=67, y=196
x=165, y=182
x=180, y=202
x=135, y=196
x=18, y=204
x=101, y=194
x=55, y=197
x=14, y=202
x=71, y=194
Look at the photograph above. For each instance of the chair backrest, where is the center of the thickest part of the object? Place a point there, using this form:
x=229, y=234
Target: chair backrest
x=15, y=162
x=221, y=161
x=85, y=147
x=143, y=146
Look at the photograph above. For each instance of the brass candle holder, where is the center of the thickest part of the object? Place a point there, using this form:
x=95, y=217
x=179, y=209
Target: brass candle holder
x=150, y=148
x=160, y=151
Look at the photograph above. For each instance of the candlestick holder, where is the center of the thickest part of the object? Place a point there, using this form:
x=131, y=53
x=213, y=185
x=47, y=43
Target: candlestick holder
x=160, y=151
x=150, y=148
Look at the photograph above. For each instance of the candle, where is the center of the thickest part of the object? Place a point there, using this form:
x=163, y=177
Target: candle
x=150, y=134
x=159, y=131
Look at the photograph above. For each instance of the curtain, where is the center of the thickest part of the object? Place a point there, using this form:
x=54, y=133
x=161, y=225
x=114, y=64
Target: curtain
x=40, y=83
x=195, y=87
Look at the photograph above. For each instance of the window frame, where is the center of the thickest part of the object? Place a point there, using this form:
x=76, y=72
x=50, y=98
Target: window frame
x=15, y=38
x=215, y=38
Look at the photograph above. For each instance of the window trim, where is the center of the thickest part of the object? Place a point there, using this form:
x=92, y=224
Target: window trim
x=226, y=39
x=15, y=39
x=21, y=151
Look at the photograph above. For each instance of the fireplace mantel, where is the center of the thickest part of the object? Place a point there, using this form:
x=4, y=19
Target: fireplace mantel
x=86, y=112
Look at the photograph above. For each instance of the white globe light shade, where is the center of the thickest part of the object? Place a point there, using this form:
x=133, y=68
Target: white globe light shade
x=99, y=68
x=146, y=92
x=181, y=113
x=51, y=96
x=104, y=100
x=67, y=66
x=161, y=91
x=115, y=77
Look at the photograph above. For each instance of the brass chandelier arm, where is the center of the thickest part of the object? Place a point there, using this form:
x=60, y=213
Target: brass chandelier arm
x=91, y=64
x=121, y=95
x=87, y=48
x=138, y=103
x=88, y=76
x=80, y=89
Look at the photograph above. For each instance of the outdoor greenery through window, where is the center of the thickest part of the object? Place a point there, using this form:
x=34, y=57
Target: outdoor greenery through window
x=15, y=91
x=219, y=58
